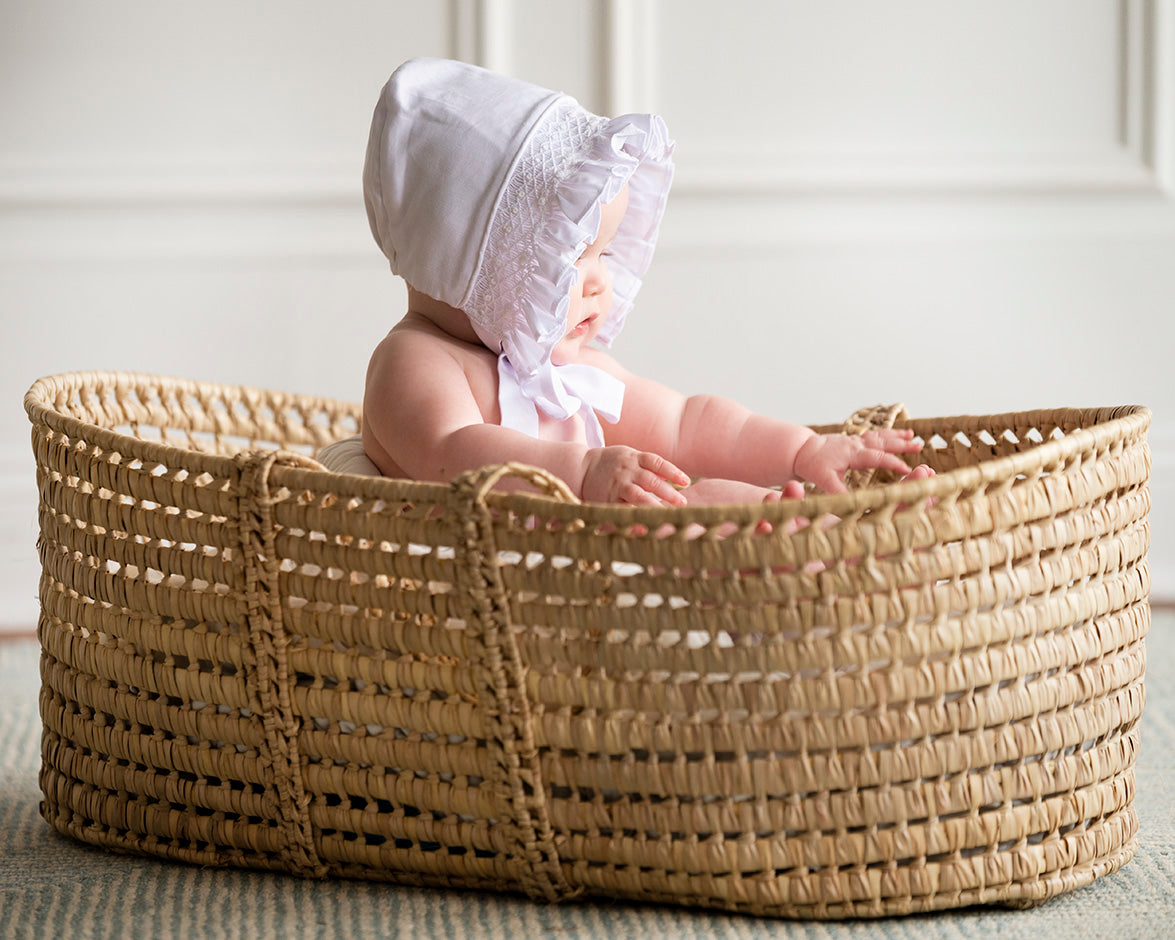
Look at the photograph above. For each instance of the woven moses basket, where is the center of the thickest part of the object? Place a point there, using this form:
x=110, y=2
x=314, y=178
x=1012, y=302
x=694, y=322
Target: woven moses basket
x=928, y=701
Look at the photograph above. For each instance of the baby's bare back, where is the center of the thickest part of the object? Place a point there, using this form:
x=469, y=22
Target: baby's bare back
x=458, y=378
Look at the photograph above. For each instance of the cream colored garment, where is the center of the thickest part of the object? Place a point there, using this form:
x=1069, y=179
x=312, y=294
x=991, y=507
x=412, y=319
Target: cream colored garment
x=348, y=456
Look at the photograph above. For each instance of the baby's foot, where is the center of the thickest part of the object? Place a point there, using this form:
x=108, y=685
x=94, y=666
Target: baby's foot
x=920, y=472
x=718, y=492
x=792, y=489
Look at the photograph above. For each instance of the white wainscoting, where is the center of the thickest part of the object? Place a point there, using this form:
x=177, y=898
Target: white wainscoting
x=966, y=206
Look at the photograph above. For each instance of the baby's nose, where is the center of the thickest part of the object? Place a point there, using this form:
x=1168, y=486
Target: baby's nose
x=596, y=282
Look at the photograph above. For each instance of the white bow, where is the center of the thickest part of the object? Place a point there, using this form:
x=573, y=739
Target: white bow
x=560, y=391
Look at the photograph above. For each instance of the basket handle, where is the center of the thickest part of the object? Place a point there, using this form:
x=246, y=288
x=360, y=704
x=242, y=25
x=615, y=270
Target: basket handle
x=269, y=676
x=484, y=479
x=287, y=458
x=501, y=677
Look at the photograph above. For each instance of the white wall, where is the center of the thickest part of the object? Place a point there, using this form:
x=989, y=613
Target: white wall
x=964, y=206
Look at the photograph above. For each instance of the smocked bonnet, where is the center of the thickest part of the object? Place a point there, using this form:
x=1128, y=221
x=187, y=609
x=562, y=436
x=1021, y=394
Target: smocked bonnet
x=483, y=191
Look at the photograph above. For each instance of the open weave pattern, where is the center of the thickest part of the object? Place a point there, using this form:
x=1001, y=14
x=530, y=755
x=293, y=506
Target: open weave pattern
x=929, y=701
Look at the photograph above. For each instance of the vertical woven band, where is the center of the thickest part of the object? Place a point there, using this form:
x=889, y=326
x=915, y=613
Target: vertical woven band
x=268, y=682
x=502, y=681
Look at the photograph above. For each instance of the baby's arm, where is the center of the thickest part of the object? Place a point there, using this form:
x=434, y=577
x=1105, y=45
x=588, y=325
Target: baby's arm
x=710, y=436
x=419, y=409
x=757, y=448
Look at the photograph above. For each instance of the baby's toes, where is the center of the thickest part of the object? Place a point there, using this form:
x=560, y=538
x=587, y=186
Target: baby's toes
x=793, y=489
x=794, y=525
x=920, y=472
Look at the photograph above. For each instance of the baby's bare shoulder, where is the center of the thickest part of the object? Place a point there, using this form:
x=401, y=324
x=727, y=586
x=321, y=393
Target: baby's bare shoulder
x=409, y=347
x=419, y=366
x=414, y=337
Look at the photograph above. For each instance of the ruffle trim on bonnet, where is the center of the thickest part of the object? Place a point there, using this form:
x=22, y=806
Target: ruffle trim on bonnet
x=573, y=163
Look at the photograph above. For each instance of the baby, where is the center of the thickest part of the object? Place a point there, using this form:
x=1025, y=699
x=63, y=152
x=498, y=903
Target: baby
x=522, y=225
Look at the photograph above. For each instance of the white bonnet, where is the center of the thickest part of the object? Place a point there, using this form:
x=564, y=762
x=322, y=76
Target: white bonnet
x=483, y=191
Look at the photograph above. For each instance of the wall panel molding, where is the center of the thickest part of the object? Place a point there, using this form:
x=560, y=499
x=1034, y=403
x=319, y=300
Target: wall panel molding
x=1161, y=73
x=1143, y=162
x=629, y=62
x=1147, y=98
x=629, y=59
x=479, y=31
x=483, y=33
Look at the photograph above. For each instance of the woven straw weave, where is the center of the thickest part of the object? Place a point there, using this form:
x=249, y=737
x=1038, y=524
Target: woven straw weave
x=929, y=698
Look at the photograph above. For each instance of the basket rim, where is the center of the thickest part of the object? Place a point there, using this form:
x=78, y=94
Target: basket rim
x=1105, y=424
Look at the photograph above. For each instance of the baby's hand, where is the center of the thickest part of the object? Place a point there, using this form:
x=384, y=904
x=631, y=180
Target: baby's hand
x=621, y=474
x=824, y=458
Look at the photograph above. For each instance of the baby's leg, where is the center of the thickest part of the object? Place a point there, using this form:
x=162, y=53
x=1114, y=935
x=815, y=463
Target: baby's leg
x=714, y=492
x=920, y=472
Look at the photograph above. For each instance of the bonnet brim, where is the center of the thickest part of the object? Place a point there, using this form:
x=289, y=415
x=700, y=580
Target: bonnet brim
x=633, y=150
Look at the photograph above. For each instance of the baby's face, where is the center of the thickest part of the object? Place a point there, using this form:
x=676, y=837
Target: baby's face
x=591, y=295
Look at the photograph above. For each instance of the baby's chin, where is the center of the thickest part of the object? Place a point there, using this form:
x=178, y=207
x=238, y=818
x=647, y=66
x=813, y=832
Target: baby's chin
x=567, y=351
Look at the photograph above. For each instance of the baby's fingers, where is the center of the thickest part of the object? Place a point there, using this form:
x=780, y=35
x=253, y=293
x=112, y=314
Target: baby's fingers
x=881, y=460
x=829, y=482
x=658, y=465
x=662, y=491
x=895, y=441
x=651, y=491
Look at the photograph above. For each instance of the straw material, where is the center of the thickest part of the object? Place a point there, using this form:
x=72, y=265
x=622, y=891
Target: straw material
x=927, y=699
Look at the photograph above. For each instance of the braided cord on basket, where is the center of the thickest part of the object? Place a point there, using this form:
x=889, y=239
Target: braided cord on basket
x=503, y=678
x=268, y=682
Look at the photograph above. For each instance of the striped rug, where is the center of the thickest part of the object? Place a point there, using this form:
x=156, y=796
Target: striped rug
x=53, y=887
